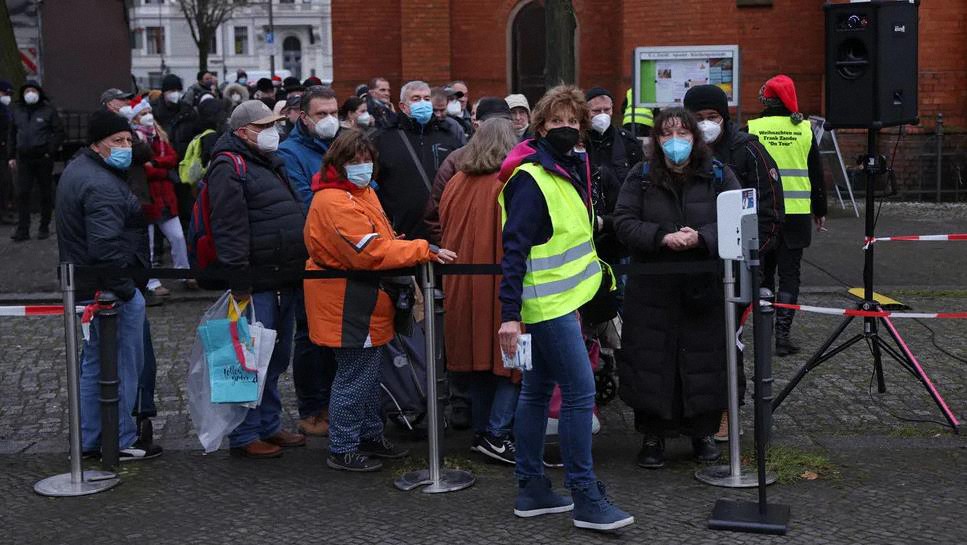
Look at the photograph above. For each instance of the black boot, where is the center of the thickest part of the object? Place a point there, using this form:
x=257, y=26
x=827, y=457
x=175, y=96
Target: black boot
x=784, y=316
x=145, y=431
x=705, y=449
x=652, y=455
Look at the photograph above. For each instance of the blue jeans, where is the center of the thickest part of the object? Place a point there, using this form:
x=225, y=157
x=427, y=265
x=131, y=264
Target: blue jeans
x=276, y=310
x=559, y=356
x=493, y=401
x=313, y=368
x=130, y=322
x=145, y=408
x=354, y=411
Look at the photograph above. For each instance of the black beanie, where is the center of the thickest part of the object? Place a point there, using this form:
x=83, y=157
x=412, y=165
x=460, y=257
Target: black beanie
x=595, y=92
x=265, y=85
x=104, y=123
x=707, y=97
x=171, y=82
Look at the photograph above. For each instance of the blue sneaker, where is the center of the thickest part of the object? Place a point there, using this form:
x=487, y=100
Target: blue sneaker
x=595, y=511
x=535, y=497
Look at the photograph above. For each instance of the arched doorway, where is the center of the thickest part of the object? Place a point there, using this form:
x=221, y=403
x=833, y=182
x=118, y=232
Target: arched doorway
x=528, y=51
x=292, y=56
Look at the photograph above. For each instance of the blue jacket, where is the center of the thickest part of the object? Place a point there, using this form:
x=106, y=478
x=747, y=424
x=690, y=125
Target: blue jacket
x=302, y=156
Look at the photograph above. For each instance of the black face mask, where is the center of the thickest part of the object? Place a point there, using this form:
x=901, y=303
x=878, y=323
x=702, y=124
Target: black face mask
x=562, y=139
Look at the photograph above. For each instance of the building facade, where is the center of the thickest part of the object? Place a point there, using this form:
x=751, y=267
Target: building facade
x=301, y=43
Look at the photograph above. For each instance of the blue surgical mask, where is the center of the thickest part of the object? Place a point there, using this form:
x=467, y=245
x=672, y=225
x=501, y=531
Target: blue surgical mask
x=421, y=111
x=120, y=158
x=360, y=175
x=677, y=150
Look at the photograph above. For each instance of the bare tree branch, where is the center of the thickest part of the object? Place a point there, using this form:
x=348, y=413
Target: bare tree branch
x=203, y=18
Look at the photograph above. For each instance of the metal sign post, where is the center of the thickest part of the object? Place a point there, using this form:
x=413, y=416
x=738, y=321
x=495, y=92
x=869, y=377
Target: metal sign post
x=77, y=482
x=437, y=479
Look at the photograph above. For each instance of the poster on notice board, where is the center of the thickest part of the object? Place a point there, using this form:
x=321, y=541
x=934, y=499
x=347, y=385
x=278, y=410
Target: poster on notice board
x=663, y=75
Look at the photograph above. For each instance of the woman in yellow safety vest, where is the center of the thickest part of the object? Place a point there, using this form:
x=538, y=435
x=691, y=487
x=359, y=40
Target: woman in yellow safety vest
x=550, y=269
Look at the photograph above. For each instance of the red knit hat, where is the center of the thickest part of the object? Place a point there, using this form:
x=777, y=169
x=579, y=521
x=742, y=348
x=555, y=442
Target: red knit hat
x=784, y=89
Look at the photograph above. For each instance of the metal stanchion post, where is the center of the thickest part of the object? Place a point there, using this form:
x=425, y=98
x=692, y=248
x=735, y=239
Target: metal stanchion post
x=77, y=482
x=437, y=479
x=107, y=326
x=732, y=475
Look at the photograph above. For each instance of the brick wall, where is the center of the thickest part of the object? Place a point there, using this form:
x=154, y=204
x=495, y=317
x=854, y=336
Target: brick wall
x=365, y=43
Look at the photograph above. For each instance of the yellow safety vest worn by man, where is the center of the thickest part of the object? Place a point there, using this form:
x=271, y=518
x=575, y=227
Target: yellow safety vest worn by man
x=564, y=272
x=641, y=116
x=788, y=144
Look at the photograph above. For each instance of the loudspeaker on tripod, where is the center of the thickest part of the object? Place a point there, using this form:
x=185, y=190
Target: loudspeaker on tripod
x=871, y=64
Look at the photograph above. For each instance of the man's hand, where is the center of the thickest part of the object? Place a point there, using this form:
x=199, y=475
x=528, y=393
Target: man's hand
x=820, y=222
x=445, y=256
x=507, y=335
x=12, y=164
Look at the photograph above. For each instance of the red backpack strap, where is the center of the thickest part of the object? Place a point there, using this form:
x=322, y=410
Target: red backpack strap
x=238, y=162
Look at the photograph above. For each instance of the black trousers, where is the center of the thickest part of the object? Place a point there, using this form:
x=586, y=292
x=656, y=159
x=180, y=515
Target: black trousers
x=34, y=172
x=787, y=262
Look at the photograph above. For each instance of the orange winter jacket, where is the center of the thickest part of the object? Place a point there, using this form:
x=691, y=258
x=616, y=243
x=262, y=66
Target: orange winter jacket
x=347, y=230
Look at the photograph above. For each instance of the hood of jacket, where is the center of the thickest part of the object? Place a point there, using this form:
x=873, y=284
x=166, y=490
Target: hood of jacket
x=35, y=85
x=331, y=180
x=515, y=158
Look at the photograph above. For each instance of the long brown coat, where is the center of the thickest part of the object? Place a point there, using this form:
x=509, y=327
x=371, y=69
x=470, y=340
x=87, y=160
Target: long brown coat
x=470, y=225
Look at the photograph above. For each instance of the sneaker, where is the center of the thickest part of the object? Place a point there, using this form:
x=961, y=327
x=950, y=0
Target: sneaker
x=160, y=291
x=381, y=448
x=593, y=510
x=139, y=451
x=652, y=454
x=705, y=449
x=501, y=449
x=535, y=497
x=353, y=461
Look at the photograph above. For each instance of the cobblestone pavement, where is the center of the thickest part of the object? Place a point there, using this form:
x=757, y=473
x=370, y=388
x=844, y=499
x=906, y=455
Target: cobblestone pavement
x=896, y=482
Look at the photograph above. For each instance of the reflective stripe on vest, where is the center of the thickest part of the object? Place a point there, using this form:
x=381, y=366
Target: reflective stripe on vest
x=564, y=272
x=642, y=116
x=788, y=144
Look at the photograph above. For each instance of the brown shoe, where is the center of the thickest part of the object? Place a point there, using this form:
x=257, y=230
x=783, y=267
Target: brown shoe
x=287, y=439
x=723, y=434
x=317, y=425
x=257, y=449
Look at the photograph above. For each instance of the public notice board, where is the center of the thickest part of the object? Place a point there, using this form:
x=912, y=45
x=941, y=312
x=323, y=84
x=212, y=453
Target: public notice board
x=663, y=74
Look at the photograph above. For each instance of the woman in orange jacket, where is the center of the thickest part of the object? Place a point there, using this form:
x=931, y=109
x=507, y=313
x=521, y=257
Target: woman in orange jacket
x=347, y=230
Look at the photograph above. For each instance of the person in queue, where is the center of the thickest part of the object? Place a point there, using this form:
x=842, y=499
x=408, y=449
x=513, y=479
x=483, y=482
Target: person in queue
x=470, y=224
x=550, y=269
x=671, y=367
x=354, y=114
x=347, y=230
x=753, y=167
x=100, y=224
x=256, y=223
x=520, y=112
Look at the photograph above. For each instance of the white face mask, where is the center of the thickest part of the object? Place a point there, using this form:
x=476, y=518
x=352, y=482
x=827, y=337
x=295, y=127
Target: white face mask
x=147, y=120
x=268, y=140
x=364, y=120
x=5, y=100
x=454, y=108
x=31, y=97
x=601, y=122
x=173, y=96
x=327, y=126
x=710, y=130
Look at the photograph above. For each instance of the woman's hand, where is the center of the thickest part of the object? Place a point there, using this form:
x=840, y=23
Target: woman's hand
x=445, y=256
x=689, y=237
x=507, y=336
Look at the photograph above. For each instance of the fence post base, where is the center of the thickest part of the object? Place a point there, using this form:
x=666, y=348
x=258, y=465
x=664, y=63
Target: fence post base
x=91, y=482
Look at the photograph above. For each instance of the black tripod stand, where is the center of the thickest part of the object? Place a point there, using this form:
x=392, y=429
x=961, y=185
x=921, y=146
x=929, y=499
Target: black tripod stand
x=870, y=311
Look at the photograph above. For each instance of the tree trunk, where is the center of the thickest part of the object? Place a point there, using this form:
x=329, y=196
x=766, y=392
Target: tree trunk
x=203, y=51
x=560, y=25
x=10, y=64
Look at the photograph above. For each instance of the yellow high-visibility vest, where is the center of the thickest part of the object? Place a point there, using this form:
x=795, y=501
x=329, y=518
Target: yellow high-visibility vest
x=564, y=272
x=788, y=144
x=642, y=116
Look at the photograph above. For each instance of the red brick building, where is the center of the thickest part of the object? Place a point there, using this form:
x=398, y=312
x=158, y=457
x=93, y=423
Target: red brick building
x=497, y=45
x=490, y=43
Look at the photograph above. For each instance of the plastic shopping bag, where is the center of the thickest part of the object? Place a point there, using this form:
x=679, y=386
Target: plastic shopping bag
x=263, y=340
x=230, y=353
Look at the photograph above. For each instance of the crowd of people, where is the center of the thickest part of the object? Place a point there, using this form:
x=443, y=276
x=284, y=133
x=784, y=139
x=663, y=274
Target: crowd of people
x=555, y=193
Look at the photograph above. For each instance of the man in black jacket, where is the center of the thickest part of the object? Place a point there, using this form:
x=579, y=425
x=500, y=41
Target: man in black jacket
x=256, y=223
x=99, y=223
x=6, y=179
x=611, y=151
x=36, y=133
x=410, y=153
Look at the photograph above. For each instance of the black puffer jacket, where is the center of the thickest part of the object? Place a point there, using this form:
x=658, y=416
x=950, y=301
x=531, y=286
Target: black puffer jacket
x=755, y=169
x=611, y=155
x=256, y=219
x=673, y=324
x=402, y=191
x=36, y=129
x=99, y=223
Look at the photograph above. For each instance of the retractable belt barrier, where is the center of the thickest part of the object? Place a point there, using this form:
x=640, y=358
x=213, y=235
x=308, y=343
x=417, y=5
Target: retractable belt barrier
x=914, y=238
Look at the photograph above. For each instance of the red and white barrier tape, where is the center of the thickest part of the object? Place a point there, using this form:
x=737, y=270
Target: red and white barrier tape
x=36, y=310
x=873, y=313
x=907, y=238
